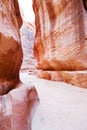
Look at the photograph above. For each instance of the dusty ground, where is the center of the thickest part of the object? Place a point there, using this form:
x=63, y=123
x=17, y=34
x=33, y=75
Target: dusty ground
x=62, y=106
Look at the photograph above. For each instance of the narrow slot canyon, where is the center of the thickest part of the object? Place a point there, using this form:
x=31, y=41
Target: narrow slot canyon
x=43, y=65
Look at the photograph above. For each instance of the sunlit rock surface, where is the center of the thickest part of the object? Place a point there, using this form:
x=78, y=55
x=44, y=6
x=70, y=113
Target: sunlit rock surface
x=10, y=47
x=17, y=108
x=61, y=34
x=27, y=40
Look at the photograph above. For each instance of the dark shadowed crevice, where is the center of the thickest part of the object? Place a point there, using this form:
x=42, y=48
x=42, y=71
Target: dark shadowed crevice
x=85, y=4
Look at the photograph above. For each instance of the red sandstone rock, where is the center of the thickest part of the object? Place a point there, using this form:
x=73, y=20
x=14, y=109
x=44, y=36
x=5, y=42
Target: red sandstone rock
x=17, y=12
x=17, y=107
x=61, y=35
x=77, y=78
x=10, y=47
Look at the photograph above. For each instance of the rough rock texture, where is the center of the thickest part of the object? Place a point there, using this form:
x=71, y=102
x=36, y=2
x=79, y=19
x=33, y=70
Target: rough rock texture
x=17, y=12
x=27, y=41
x=17, y=107
x=77, y=78
x=61, y=34
x=10, y=47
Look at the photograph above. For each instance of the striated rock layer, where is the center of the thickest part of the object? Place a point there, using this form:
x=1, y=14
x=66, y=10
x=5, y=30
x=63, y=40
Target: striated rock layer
x=76, y=78
x=27, y=41
x=10, y=47
x=17, y=107
x=61, y=34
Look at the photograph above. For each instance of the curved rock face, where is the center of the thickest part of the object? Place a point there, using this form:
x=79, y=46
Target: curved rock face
x=61, y=34
x=17, y=107
x=85, y=4
x=10, y=47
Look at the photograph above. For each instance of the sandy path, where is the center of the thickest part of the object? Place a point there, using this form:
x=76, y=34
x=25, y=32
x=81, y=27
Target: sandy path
x=62, y=106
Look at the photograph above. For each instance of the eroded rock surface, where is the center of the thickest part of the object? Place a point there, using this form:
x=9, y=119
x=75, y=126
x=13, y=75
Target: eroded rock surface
x=27, y=40
x=10, y=47
x=76, y=78
x=61, y=40
x=61, y=34
x=17, y=107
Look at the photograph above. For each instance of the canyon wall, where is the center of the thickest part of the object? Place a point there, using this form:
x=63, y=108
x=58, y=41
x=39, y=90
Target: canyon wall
x=27, y=40
x=10, y=45
x=61, y=34
x=17, y=100
x=60, y=45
